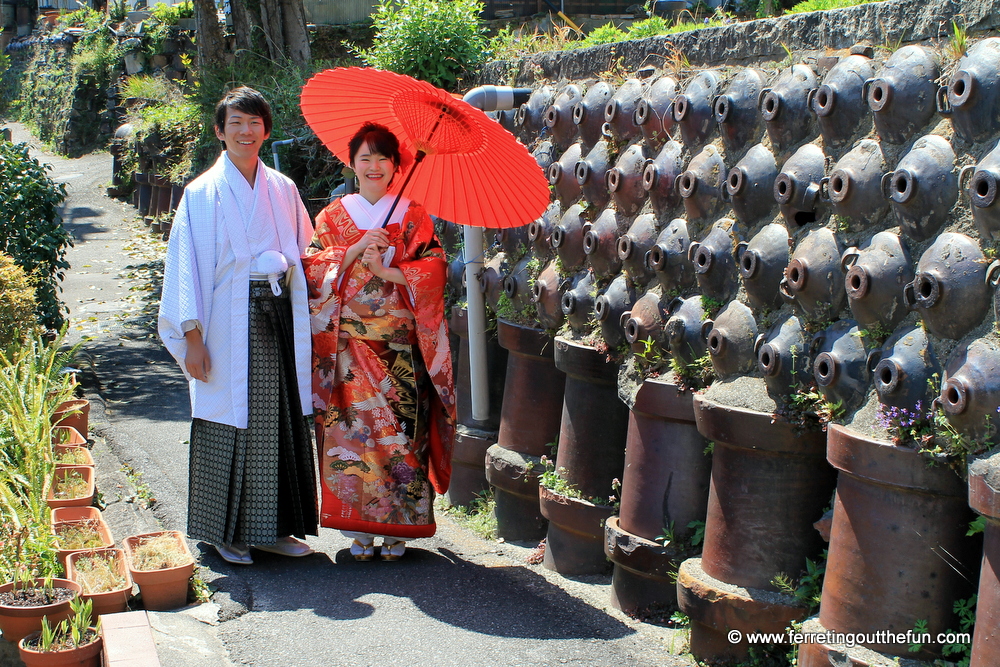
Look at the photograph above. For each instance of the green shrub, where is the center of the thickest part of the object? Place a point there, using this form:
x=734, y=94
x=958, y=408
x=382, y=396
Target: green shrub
x=823, y=5
x=434, y=40
x=606, y=34
x=651, y=27
x=169, y=15
x=31, y=229
x=17, y=302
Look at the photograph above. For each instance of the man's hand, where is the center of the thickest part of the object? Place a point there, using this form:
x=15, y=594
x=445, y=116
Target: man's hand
x=197, y=360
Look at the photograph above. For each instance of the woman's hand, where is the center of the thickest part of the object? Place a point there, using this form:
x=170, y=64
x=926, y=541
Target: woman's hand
x=372, y=260
x=377, y=237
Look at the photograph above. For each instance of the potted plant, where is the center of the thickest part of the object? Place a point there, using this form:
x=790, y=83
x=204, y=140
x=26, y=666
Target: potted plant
x=72, y=486
x=103, y=577
x=24, y=601
x=74, y=412
x=68, y=455
x=67, y=436
x=74, y=642
x=161, y=564
x=81, y=535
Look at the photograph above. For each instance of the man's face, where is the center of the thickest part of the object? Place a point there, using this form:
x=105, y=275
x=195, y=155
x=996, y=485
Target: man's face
x=243, y=133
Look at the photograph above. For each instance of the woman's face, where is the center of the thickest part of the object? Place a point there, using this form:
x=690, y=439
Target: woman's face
x=374, y=171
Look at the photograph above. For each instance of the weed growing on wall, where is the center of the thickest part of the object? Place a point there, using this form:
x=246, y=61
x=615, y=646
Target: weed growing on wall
x=166, y=121
x=63, y=84
x=809, y=586
x=823, y=5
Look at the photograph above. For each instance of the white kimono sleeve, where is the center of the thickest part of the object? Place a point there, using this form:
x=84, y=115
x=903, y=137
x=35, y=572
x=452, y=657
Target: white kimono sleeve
x=181, y=300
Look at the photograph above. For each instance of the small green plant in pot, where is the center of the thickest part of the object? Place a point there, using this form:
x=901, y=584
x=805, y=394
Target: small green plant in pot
x=73, y=641
x=25, y=601
x=72, y=486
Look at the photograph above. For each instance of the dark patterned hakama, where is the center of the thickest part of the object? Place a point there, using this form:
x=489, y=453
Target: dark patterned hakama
x=256, y=484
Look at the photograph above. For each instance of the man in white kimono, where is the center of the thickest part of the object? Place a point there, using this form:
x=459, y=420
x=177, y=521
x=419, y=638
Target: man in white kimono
x=235, y=316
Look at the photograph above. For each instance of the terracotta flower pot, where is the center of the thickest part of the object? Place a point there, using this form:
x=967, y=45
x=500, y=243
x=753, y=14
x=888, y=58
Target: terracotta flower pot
x=100, y=526
x=60, y=514
x=161, y=589
x=107, y=602
x=18, y=622
x=67, y=436
x=60, y=450
x=81, y=501
x=75, y=413
x=88, y=655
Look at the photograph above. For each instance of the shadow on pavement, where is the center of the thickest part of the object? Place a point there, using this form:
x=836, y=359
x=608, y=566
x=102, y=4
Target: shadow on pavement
x=138, y=380
x=74, y=218
x=442, y=584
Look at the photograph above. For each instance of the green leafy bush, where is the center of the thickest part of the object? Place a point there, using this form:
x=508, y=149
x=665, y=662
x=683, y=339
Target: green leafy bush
x=437, y=41
x=31, y=229
x=651, y=27
x=606, y=34
x=175, y=129
x=150, y=89
x=170, y=14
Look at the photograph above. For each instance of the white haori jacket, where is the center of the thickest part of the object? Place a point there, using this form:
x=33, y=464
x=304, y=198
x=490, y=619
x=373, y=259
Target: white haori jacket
x=206, y=281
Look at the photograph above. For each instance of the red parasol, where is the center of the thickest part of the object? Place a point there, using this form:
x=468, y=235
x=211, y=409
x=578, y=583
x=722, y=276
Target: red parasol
x=475, y=172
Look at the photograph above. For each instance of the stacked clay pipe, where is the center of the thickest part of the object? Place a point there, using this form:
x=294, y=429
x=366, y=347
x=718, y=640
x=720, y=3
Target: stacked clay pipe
x=822, y=235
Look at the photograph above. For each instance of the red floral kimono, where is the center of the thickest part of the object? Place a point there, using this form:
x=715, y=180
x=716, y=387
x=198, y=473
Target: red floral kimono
x=382, y=379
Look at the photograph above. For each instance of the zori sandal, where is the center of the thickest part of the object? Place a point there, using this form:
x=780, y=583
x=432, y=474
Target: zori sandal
x=363, y=551
x=392, y=551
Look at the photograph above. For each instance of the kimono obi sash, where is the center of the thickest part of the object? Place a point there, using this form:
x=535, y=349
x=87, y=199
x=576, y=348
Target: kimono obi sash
x=377, y=312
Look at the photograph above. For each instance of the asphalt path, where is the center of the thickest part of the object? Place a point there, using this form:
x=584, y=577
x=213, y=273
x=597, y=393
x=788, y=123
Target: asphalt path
x=454, y=600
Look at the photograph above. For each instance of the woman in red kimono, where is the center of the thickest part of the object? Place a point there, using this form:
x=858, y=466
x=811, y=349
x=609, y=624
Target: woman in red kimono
x=382, y=380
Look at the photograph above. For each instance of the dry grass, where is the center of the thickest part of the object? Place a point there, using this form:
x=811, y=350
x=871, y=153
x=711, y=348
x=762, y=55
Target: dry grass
x=159, y=553
x=72, y=456
x=97, y=573
x=71, y=485
x=79, y=535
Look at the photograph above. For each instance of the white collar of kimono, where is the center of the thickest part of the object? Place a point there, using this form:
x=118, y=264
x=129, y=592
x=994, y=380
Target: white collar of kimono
x=246, y=195
x=369, y=216
x=231, y=168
